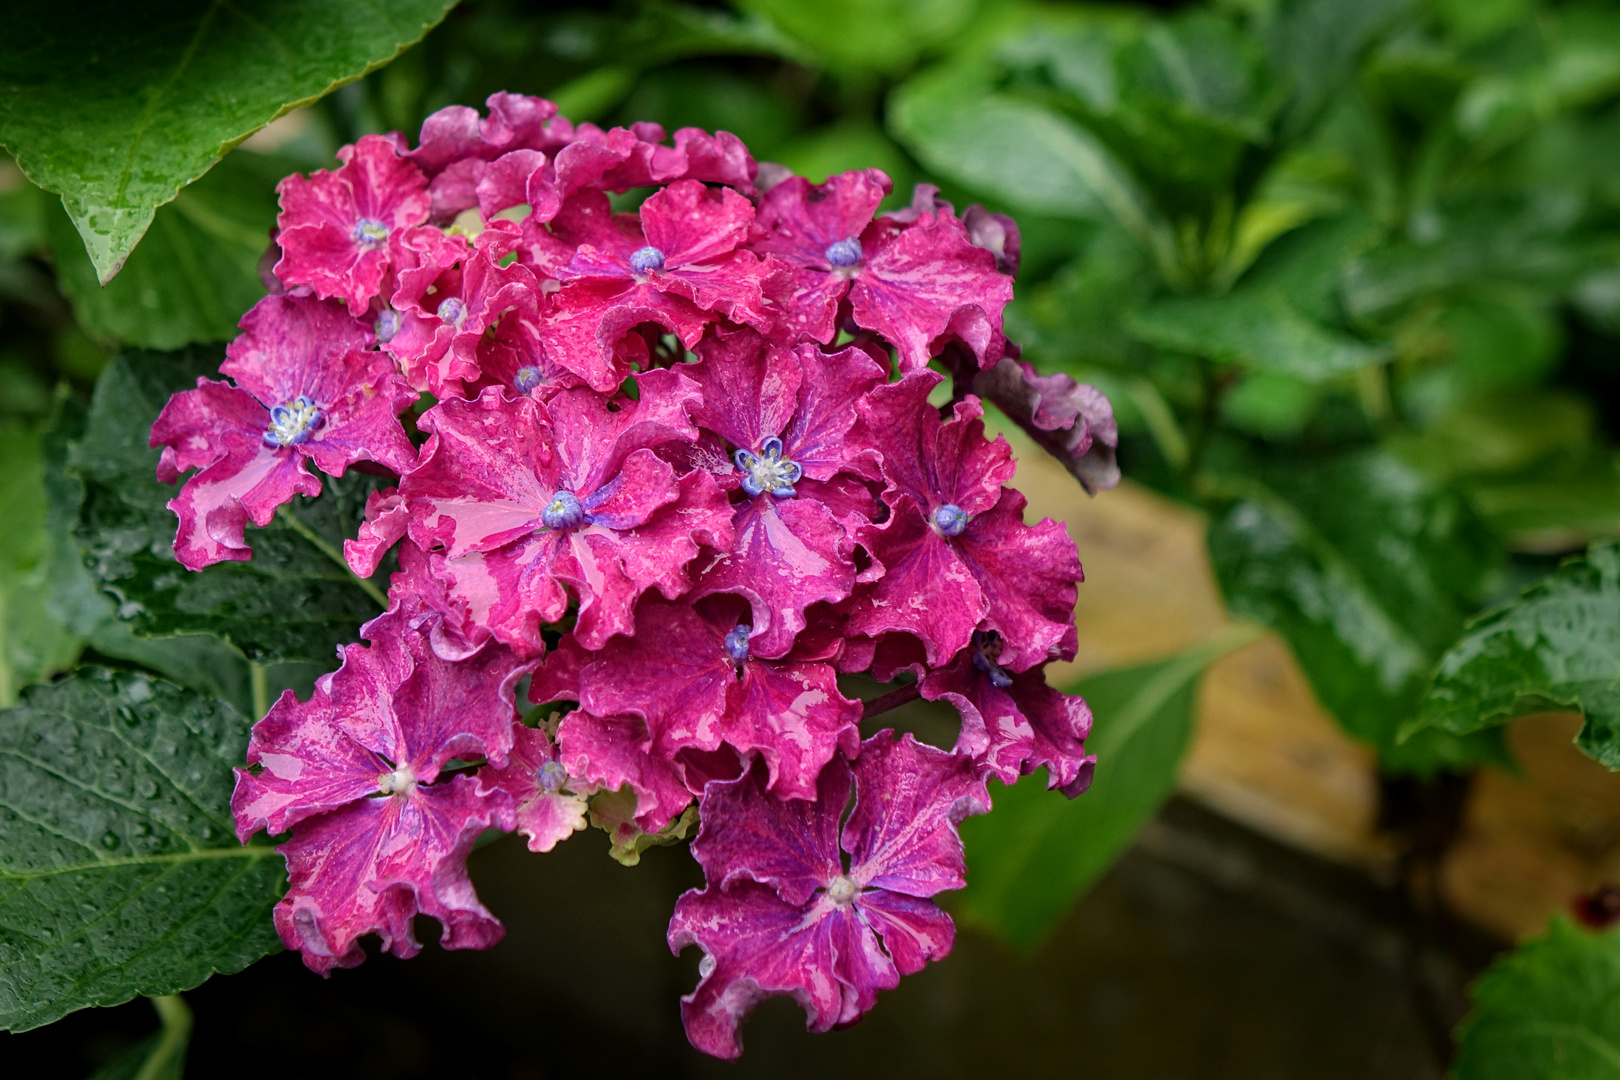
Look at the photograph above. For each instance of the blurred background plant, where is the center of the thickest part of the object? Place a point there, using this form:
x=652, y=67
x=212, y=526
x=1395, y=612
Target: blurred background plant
x=1348, y=269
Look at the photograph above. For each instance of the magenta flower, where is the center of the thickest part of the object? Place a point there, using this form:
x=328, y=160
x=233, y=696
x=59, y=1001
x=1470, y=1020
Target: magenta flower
x=625, y=158
x=1013, y=722
x=781, y=912
x=340, y=230
x=955, y=552
x=378, y=833
x=786, y=417
x=307, y=390
x=690, y=675
x=514, y=359
x=679, y=267
x=919, y=283
x=457, y=145
x=448, y=296
x=526, y=499
x=551, y=805
x=1073, y=422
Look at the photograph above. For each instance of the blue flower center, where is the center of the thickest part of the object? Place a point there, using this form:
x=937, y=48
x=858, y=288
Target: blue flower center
x=526, y=379
x=845, y=254
x=293, y=423
x=986, y=646
x=452, y=311
x=563, y=511
x=768, y=470
x=369, y=232
x=737, y=642
x=950, y=519
x=386, y=326
x=646, y=260
x=551, y=777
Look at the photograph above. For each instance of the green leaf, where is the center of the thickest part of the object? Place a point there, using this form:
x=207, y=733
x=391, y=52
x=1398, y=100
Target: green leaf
x=1557, y=505
x=33, y=644
x=863, y=35
x=162, y=1055
x=120, y=873
x=1368, y=569
x=1549, y=1010
x=1037, y=852
x=1022, y=153
x=295, y=600
x=1316, y=44
x=1557, y=645
x=118, y=106
x=197, y=271
x=1256, y=328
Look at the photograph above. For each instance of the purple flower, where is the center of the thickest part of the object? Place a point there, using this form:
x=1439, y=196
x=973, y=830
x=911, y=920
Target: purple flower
x=690, y=675
x=782, y=913
x=955, y=553
x=551, y=805
x=1072, y=421
x=339, y=231
x=1012, y=721
x=525, y=499
x=919, y=281
x=788, y=417
x=355, y=773
x=307, y=389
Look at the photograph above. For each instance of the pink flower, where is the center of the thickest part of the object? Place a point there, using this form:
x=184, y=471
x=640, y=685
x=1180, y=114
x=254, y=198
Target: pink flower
x=955, y=553
x=307, y=390
x=340, y=230
x=690, y=675
x=526, y=499
x=1013, y=722
x=457, y=145
x=355, y=772
x=551, y=805
x=448, y=296
x=781, y=914
x=679, y=267
x=787, y=418
x=918, y=280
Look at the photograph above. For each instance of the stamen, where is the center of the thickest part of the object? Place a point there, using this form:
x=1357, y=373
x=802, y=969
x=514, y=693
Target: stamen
x=526, y=379
x=552, y=776
x=737, y=642
x=369, y=232
x=842, y=891
x=386, y=326
x=950, y=519
x=563, y=512
x=293, y=423
x=452, y=311
x=986, y=646
x=768, y=470
x=845, y=254
x=398, y=782
x=646, y=260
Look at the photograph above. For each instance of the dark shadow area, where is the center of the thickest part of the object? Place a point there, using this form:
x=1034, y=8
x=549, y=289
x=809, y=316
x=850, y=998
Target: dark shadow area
x=1208, y=952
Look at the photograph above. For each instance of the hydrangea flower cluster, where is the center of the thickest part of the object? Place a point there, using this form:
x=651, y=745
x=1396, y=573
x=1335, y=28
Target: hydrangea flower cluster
x=687, y=467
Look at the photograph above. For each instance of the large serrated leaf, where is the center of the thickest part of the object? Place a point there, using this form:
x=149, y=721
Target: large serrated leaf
x=1548, y=1011
x=117, y=106
x=1368, y=569
x=1032, y=857
x=293, y=601
x=120, y=873
x=1557, y=645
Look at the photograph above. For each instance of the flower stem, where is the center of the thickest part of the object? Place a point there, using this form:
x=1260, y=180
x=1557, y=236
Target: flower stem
x=903, y=695
x=260, y=684
x=332, y=553
x=171, y=1045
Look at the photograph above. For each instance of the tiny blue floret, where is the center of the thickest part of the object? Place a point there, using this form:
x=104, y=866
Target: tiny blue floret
x=386, y=326
x=845, y=253
x=986, y=652
x=551, y=777
x=737, y=642
x=293, y=423
x=526, y=379
x=369, y=232
x=563, y=512
x=768, y=470
x=452, y=311
x=646, y=260
x=950, y=519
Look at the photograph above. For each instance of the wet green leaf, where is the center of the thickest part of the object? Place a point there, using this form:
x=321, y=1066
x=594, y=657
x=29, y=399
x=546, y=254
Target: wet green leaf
x=120, y=873
x=118, y=106
x=33, y=644
x=1556, y=646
